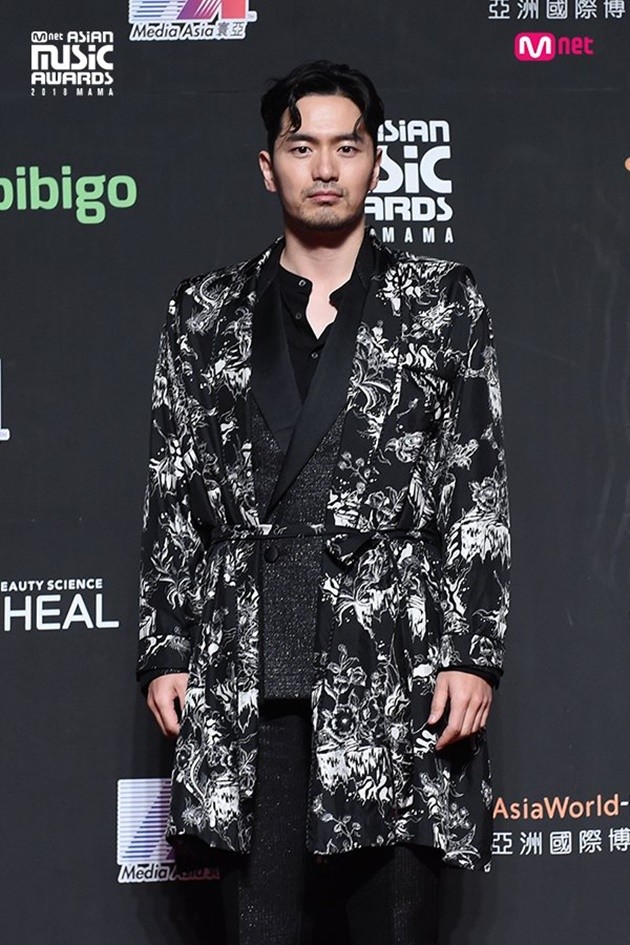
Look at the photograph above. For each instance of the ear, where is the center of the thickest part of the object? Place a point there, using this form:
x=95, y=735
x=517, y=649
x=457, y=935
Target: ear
x=376, y=170
x=266, y=169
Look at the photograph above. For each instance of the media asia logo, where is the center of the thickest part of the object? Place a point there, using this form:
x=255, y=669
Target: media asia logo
x=414, y=190
x=89, y=196
x=189, y=19
x=143, y=854
x=543, y=47
x=79, y=61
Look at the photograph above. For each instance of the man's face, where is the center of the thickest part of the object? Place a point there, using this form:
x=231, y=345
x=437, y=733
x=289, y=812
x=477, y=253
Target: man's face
x=323, y=171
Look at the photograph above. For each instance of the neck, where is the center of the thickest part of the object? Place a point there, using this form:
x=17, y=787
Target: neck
x=325, y=258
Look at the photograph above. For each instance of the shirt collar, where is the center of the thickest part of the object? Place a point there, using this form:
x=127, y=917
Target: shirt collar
x=363, y=267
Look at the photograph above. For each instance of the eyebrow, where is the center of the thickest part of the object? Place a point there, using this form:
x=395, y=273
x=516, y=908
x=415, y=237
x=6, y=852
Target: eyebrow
x=312, y=139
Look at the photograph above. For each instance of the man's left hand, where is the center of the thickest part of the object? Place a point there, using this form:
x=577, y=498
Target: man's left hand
x=469, y=698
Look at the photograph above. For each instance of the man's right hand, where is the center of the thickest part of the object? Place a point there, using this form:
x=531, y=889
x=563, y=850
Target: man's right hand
x=162, y=695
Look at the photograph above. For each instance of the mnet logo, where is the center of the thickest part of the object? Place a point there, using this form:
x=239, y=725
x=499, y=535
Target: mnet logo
x=143, y=854
x=189, y=19
x=542, y=47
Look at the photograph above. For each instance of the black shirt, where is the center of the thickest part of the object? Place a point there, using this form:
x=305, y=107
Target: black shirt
x=305, y=347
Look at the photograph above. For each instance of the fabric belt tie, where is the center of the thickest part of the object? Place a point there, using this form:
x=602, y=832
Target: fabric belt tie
x=344, y=544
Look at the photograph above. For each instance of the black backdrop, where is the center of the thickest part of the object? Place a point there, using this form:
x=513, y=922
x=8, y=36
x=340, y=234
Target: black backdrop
x=537, y=186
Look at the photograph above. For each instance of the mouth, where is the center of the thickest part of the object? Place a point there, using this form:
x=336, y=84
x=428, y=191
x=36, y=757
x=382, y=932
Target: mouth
x=325, y=195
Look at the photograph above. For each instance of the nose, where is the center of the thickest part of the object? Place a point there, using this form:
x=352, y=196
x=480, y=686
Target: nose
x=325, y=166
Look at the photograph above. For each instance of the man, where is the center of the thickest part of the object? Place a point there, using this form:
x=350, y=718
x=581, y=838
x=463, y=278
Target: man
x=324, y=585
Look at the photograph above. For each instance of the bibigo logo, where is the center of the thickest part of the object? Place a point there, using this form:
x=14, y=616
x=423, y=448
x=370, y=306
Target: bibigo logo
x=542, y=47
x=89, y=196
x=189, y=19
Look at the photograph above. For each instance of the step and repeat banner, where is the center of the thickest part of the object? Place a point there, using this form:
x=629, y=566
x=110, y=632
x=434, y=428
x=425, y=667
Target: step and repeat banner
x=129, y=143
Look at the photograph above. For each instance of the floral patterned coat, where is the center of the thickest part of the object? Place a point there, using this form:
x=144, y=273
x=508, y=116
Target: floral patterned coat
x=413, y=574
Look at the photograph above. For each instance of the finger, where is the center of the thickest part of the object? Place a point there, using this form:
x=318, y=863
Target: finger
x=469, y=720
x=478, y=721
x=482, y=713
x=170, y=719
x=181, y=687
x=156, y=714
x=438, y=703
x=454, y=726
x=481, y=716
x=485, y=714
x=448, y=736
x=165, y=708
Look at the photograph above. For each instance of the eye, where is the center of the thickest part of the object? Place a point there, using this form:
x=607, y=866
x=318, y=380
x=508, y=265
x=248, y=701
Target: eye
x=300, y=149
x=348, y=149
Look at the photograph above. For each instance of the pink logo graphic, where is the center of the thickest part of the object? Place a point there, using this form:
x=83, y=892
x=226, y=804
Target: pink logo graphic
x=535, y=47
x=208, y=9
x=541, y=47
x=189, y=19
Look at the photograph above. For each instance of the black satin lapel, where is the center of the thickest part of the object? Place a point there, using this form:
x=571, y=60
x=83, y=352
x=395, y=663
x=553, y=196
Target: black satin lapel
x=326, y=396
x=273, y=379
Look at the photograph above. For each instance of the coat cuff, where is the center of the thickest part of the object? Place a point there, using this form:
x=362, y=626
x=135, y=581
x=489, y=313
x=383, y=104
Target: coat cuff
x=146, y=678
x=489, y=674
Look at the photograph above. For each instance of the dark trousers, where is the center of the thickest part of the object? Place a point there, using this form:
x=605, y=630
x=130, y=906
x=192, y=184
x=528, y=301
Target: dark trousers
x=280, y=894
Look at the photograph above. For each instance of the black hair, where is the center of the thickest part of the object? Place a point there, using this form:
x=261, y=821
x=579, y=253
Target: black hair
x=320, y=77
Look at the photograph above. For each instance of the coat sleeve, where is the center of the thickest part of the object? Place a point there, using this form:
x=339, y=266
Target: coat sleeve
x=472, y=498
x=172, y=548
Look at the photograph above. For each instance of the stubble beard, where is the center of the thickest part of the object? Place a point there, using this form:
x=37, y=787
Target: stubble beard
x=325, y=219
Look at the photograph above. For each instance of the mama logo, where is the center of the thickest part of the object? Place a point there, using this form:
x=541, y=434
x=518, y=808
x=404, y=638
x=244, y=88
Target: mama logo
x=78, y=61
x=415, y=186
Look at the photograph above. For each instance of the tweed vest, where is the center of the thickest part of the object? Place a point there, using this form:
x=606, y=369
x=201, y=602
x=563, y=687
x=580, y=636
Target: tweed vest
x=291, y=566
